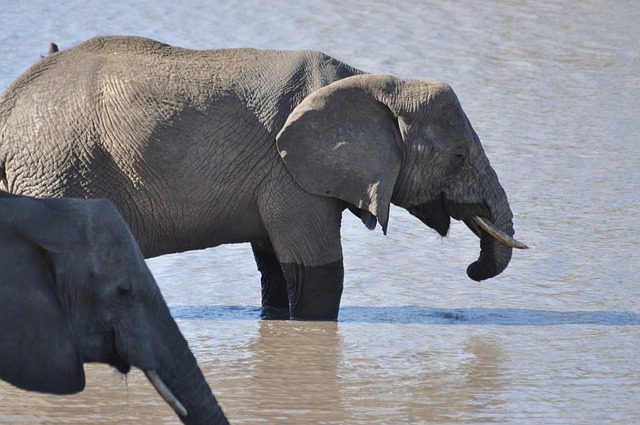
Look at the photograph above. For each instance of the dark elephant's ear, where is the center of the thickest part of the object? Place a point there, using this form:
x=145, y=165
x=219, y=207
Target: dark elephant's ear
x=342, y=142
x=37, y=350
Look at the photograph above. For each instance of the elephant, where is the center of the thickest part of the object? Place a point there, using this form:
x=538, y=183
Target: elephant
x=199, y=148
x=75, y=288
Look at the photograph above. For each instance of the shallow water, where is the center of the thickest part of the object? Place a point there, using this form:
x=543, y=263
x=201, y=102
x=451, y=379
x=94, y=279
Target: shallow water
x=553, y=90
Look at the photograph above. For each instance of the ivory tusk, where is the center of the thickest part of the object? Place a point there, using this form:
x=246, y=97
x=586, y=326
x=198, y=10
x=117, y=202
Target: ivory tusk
x=498, y=234
x=166, y=393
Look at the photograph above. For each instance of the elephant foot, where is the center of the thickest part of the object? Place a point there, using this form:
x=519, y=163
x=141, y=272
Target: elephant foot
x=314, y=291
x=273, y=313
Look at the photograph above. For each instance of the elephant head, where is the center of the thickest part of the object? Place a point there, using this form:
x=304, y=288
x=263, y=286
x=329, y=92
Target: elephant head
x=74, y=288
x=372, y=140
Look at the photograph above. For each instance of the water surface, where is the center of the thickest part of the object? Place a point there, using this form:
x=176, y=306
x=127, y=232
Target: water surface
x=553, y=90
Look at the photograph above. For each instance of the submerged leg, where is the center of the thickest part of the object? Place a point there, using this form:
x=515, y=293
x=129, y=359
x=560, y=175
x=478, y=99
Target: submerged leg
x=314, y=291
x=275, y=300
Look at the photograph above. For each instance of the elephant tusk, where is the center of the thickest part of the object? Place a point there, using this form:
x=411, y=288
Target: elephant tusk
x=498, y=234
x=166, y=393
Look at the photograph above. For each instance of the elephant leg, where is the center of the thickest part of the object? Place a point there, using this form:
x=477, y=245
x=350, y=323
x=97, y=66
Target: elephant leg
x=305, y=235
x=314, y=291
x=275, y=300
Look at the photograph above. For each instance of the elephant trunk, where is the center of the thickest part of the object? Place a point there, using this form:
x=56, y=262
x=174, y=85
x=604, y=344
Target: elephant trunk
x=166, y=393
x=195, y=406
x=494, y=258
x=182, y=385
x=157, y=347
x=496, y=242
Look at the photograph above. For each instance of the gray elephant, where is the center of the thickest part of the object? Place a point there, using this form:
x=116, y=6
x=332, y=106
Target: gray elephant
x=201, y=148
x=75, y=288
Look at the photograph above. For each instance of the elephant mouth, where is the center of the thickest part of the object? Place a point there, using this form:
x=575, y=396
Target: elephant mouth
x=437, y=215
x=113, y=357
x=433, y=214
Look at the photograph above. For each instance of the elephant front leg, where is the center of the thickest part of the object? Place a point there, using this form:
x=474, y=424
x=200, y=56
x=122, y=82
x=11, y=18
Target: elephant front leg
x=275, y=299
x=304, y=231
x=314, y=291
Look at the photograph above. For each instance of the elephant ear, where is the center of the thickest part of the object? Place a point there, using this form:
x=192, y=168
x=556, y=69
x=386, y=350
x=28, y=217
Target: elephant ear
x=342, y=142
x=37, y=350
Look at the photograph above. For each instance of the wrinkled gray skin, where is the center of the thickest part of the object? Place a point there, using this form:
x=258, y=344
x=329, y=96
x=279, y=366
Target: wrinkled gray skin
x=201, y=148
x=74, y=288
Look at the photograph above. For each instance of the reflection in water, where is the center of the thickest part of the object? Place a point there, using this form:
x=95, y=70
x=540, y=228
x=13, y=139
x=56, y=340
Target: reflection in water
x=426, y=383
x=468, y=390
x=293, y=367
x=305, y=372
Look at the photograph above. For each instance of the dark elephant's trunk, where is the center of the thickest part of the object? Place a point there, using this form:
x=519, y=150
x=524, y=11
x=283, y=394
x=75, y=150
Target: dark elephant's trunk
x=186, y=389
x=195, y=403
x=155, y=345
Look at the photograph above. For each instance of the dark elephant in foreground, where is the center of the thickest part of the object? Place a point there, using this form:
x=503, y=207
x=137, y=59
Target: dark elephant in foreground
x=201, y=148
x=75, y=288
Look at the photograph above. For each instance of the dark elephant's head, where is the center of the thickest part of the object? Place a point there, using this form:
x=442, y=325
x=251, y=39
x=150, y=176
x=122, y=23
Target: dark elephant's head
x=372, y=140
x=75, y=288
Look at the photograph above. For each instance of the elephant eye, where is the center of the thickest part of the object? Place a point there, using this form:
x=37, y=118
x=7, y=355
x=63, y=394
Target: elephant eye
x=458, y=157
x=459, y=154
x=124, y=289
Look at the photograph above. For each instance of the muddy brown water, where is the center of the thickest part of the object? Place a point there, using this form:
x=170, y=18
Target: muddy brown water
x=552, y=88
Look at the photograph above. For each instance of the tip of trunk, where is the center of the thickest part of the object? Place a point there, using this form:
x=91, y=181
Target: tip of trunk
x=494, y=259
x=482, y=270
